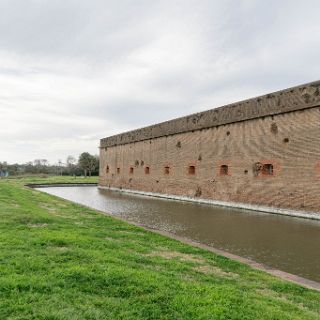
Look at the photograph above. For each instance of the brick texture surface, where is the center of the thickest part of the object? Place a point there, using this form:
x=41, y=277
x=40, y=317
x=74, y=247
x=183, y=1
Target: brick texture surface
x=271, y=160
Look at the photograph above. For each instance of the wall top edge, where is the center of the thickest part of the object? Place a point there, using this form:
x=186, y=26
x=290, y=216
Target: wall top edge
x=288, y=100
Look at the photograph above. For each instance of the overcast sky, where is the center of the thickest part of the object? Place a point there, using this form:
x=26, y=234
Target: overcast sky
x=72, y=72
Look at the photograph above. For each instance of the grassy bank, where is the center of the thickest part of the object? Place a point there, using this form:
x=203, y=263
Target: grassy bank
x=59, y=260
x=53, y=179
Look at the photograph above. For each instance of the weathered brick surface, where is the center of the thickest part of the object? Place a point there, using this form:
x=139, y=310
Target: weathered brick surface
x=289, y=140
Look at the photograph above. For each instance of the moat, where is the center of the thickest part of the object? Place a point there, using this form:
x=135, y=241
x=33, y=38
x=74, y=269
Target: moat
x=286, y=243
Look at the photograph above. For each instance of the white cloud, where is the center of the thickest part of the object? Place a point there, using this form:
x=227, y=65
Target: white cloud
x=72, y=72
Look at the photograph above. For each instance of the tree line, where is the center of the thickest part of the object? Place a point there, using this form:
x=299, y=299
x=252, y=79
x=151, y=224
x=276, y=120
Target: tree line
x=86, y=165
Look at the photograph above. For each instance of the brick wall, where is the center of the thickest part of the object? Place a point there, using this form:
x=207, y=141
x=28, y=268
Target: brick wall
x=272, y=160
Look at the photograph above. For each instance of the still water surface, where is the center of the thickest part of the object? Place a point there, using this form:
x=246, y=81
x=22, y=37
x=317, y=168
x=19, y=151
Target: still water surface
x=286, y=243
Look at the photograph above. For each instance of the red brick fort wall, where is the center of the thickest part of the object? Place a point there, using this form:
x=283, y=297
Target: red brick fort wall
x=263, y=151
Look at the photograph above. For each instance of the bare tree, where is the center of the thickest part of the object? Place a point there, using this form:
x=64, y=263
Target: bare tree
x=71, y=164
x=44, y=162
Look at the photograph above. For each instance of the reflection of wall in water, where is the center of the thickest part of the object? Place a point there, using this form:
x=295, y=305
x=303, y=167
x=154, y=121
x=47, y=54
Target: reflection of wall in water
x=260, y=151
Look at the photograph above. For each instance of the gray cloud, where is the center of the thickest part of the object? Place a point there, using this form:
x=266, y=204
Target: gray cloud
x=72, y=72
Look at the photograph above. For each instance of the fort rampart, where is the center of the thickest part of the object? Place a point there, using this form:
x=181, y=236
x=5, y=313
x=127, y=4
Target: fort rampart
x=263, y=151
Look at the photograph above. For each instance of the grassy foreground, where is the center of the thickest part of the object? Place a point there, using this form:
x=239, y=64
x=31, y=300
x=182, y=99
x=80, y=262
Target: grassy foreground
x=60, y=260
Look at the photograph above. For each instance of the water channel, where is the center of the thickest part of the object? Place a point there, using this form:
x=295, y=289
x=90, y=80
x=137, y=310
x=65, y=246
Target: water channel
x=286, y=243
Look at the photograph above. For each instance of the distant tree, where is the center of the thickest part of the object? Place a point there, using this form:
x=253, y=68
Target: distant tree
x=60, y=167
x=90, y=166
x=71, y=160
x=96, y=172
x=29, y=167
x=40, y=166
x=37, y=165
x=3, y=168
x=44, y=162
x=88, y=163
x=71, y=165
x=14, y=169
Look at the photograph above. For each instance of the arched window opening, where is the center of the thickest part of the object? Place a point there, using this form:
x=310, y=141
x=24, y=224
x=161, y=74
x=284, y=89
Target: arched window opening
x=192, y=170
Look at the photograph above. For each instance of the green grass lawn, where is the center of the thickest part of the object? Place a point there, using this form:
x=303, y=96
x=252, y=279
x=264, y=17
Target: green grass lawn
x=60, y=260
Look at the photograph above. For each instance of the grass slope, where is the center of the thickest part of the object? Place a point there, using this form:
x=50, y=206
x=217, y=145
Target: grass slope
x=60, y=260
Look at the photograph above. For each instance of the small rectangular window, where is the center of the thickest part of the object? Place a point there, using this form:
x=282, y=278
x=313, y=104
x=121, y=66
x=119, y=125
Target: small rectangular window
x=107, y=169
x=267, y=169
x=147, y=170
x=192, y=170
x=224, y=170
x=167, y=170
x=131, y=170
x=118, y=170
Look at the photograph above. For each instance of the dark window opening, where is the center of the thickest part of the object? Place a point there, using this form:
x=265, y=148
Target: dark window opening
x=131, y=170
x=118, y=170
x=166, y=170
x=245, y=171
x=192, y=170
x=286, y=140
x=107, y=169
x=224, y=170
x=228, y=133
x=267, y=169
x=147, y=170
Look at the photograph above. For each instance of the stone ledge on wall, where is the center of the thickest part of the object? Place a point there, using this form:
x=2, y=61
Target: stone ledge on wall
x=245, y=206
x=288, y=100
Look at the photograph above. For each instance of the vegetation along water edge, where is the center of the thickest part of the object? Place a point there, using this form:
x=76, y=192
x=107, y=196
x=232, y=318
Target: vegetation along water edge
x=61, y=260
